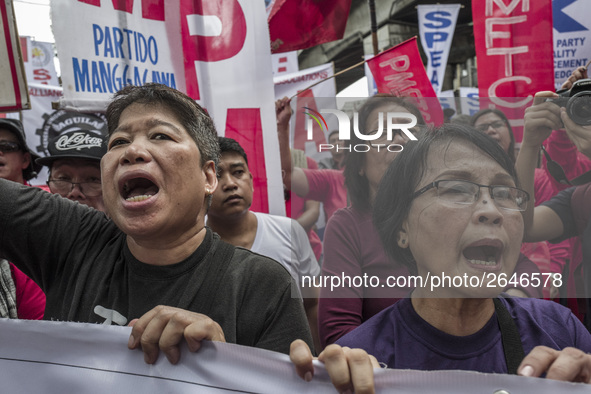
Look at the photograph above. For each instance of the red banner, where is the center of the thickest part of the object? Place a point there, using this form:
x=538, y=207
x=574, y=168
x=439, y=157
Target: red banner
x=400, y=71
x=514, y=50
x=300, y=24
x=239, y=122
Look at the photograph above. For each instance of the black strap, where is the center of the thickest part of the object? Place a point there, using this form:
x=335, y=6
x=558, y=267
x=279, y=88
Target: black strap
x=581, y=179
x=512, y=346
x=558, y=173
x=218, y=264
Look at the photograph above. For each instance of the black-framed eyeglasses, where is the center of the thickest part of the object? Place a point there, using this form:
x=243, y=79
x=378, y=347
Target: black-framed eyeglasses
x=9, y=146
x=467, y=193
x=89, y=189
x=497, y=124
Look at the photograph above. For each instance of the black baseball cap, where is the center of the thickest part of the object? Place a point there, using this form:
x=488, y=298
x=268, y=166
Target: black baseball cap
x=75, y=144
x=81, y=136
x=15, y=126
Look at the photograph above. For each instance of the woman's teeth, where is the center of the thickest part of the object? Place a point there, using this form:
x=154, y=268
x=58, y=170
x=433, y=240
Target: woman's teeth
x=490, y=262
x=138, y=198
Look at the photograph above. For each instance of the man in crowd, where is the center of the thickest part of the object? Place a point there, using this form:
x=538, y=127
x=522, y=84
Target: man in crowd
x=16, y=159
x=74, y=161
x=20, y=297
x=278, y=237
x=153, y=259
x=337, y=155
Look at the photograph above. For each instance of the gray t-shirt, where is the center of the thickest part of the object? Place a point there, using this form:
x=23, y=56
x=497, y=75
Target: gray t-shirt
x=81, y=261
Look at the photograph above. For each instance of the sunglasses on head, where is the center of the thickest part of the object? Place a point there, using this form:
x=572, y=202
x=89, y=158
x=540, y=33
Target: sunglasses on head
x=9, y=146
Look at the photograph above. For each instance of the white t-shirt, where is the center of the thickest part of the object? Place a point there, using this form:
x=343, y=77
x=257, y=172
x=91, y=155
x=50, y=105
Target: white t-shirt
x=285, y=240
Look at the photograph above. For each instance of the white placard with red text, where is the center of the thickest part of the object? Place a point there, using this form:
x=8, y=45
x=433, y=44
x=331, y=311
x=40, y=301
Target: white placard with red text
x=38, y=59
x=285, y=63
x=321, y=96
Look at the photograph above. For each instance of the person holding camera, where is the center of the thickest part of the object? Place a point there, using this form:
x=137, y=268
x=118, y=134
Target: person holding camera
x=567, y=214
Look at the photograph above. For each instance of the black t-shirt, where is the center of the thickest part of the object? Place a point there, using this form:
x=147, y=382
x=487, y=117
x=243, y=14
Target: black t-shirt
x=570, y=215
x=81, y=260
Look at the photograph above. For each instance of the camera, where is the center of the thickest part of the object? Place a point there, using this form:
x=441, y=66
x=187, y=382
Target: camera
x=577, y=101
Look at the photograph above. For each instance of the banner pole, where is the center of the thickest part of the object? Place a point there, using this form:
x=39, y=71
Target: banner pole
x=374, y=26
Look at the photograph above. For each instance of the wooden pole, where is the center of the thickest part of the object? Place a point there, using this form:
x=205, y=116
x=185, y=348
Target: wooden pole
x=374, y=26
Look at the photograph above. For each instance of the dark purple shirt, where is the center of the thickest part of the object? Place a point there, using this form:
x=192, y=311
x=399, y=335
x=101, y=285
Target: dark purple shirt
x=400, y=338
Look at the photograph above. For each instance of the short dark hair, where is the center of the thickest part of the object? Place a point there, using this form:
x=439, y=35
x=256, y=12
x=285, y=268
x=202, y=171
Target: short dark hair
x=358, y=185
x=231, y=145
x=398, y=185
x=194, y=119
x=503, y=117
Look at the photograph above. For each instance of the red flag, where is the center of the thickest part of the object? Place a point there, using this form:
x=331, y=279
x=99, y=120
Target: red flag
x=244, y=125
x=514, y=50
x=400, y=71
x=300, y=24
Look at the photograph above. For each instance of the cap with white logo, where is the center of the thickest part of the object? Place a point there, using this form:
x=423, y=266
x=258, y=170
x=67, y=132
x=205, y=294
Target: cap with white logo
x=79, y=141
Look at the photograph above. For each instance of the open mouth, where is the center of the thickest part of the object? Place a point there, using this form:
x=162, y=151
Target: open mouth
x=138, y=189
x=485, y=255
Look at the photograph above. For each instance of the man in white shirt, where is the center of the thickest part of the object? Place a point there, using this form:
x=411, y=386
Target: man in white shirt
x=277, y=237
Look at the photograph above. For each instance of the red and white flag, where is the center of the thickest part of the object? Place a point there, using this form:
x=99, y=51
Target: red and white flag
x=400, y=71
x=301, y=24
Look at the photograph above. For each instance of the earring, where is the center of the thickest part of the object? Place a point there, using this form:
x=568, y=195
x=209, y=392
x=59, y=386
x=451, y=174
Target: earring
x=402, y=243
x=208, y=192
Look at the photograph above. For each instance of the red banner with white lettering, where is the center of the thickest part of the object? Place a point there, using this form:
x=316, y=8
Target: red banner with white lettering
x=514, y=53
x=400, y=71
x=300, y=24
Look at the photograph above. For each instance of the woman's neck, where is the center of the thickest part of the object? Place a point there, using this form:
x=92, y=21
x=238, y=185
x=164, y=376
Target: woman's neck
x=455, y=316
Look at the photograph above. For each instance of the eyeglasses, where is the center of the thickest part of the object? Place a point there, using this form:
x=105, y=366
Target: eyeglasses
x=497, y=124
x=89, y=189
x=9, y=146
x=467, y=193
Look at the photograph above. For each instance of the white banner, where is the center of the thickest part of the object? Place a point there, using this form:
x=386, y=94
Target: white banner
x=13, y=86
x=572, y=37
x=321, y=96
x=216, y=52
x=38, y=59
x=42, y=97
x=469, y=104
x=448, y=100
x=372, y=88
x=285, y=63
x=101, y=50
x=437, y=23
x=57, y=357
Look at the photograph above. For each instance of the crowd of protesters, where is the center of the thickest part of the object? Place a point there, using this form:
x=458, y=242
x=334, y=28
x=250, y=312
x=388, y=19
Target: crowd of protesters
x=148, y=224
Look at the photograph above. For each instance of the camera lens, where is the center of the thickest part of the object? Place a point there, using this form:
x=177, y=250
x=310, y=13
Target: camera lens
x=579, y=108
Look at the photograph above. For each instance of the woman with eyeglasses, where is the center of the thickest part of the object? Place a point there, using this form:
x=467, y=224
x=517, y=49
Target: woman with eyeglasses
x=351, y=244
x=451, y=206
x=493, y=122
